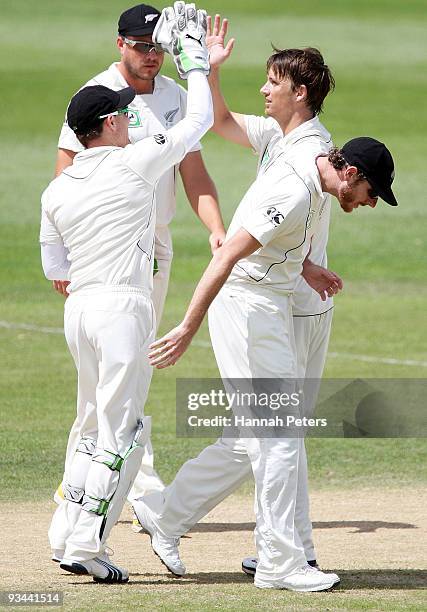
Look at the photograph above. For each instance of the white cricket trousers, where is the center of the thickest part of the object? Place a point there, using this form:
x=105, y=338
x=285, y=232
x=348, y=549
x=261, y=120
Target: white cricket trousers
x=108, y=332
x=147, y=479
x=312, y=339
x=203, y=482
x=252, y=337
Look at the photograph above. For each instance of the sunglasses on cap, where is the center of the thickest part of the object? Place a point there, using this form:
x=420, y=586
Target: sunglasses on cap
x=142, y=46
x=122, y=111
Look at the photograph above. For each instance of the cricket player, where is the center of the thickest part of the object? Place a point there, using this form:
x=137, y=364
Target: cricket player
x=98, y=224
x=251, y=326
x=159, y=104
x=300, y=130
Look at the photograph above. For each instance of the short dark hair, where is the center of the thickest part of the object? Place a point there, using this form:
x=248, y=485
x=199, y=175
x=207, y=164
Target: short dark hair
x=304, y=67
x=94, y=132
x=337, y=160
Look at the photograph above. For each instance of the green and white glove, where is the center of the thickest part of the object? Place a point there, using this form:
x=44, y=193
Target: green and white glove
x=181, y=31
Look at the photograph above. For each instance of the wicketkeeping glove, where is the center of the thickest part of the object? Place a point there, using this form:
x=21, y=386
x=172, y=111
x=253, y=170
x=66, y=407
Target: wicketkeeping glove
x=181, y=31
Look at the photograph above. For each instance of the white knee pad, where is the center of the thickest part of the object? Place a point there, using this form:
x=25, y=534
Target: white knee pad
x=74, y=484
x=110, y=479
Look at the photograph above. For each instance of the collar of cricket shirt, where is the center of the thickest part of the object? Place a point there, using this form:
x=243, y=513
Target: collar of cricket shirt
x=313, y=127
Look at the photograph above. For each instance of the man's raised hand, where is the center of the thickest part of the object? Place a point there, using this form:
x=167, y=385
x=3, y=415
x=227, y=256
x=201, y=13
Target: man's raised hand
x=215, y=40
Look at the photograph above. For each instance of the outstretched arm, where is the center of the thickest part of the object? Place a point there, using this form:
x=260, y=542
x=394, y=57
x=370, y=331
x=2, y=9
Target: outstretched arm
x=227, y=124
x=167, y=350
x=182, y=32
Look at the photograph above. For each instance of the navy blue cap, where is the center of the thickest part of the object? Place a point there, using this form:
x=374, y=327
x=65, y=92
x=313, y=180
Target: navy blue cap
x=374, y=160
x=139, y=20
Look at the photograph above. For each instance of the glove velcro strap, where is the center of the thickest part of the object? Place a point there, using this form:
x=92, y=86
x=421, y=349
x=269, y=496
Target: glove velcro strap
x=111, y=460
x=95, y=505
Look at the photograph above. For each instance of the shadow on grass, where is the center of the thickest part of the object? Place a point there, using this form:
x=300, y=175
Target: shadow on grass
x=351, y=580
x=393, y=579
x=358, y=526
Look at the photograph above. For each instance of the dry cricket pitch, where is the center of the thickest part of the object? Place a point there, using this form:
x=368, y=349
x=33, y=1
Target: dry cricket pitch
x=373, y=539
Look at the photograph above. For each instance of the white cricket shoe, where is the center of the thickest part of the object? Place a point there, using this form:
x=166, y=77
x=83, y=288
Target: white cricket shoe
x=305, y=579
x=100, y=568
x=164, y=547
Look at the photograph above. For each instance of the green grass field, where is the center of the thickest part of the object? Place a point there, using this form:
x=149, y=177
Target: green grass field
x=377, y=51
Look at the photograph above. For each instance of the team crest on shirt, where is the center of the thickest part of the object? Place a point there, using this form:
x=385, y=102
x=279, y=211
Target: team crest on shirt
x=170, y=116
x=274, y=216
x=134, y=118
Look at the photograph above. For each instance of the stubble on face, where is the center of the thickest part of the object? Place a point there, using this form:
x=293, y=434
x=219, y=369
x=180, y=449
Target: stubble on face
x=141, y=68
x=346, y=198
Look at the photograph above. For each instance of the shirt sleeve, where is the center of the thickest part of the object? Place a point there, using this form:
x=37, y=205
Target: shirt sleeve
x=54, y=254
x=183, y=105
x=55, y=261
x=259, y=130
x=48, y=232
x=151, y=157
x=278, y=214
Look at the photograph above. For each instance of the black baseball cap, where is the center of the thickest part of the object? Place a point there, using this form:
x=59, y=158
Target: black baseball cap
x=374, y=160
x=91, y=102
x=138, y=20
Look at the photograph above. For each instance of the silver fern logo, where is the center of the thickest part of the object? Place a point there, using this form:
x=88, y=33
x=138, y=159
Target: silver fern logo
x=170, y=116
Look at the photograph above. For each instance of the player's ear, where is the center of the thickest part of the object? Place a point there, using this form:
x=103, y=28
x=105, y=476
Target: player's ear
x=110, y=122
x=301, y=93
x=350, y=172
x=120, y=44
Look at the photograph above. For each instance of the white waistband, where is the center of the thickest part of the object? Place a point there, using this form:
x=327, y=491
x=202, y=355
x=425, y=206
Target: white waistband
x=254, y=288
x=112, y=289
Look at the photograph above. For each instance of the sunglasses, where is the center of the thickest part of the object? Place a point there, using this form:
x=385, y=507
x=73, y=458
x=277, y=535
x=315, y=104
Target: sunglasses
x=141, y=46
x=371, y=192
x=122, y=111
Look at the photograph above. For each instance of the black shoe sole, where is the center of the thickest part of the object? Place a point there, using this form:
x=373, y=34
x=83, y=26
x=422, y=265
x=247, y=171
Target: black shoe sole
x=248, y=571
x=74, y=568
x=80, y=570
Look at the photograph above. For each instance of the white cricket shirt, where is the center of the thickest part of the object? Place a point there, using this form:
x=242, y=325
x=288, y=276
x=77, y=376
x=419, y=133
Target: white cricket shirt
x=151, y=114
x=102, y=208
x=311, y=137
x=282, y=210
